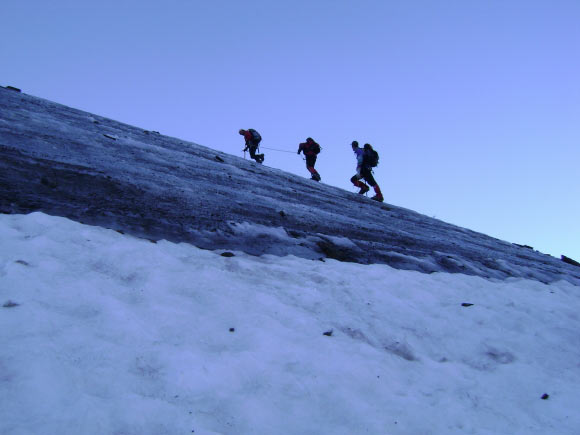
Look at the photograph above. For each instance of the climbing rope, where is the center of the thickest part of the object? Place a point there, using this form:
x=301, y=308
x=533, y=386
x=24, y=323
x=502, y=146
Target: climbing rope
x=282, y=151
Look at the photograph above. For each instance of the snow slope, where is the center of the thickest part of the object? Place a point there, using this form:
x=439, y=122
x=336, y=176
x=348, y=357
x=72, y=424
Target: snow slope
x=104, y=333
x=70, y=163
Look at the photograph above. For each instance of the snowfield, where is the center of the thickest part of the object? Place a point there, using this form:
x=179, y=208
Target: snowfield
x=105, y=333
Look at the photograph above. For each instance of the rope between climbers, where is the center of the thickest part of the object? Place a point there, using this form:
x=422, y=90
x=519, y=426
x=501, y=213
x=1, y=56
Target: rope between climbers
x=282, y=151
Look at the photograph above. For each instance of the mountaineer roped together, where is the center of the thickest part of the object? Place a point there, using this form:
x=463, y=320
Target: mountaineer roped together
x=310, y=150
x=367, y=158
x=253, y=139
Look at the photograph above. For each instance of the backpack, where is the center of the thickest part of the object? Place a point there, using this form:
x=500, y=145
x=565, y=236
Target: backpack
x=315, y=148
x=255, y=135
x=371, y=158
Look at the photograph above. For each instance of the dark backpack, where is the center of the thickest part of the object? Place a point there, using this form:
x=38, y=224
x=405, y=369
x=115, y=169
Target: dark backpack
x=255, y=135
x=371, y=158
x=316, y=148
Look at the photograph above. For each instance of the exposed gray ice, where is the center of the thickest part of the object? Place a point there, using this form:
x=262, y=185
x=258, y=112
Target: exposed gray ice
x=70, y=163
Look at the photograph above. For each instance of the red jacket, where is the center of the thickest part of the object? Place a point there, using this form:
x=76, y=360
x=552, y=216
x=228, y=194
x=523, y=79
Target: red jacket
x=248, y=136
x=251, y=141
x=309, y=148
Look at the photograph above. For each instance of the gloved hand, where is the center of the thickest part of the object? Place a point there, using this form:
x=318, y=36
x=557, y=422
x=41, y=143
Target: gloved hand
x=298, y=152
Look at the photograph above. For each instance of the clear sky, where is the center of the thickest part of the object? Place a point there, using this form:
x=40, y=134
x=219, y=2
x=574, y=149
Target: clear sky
x=473, y=106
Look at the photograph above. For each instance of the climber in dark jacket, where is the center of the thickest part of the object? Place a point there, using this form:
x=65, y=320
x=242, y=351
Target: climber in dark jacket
x=253, y=139
x=310, y=150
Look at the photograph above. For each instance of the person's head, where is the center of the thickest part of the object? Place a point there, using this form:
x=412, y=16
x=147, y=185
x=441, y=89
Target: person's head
x=354, y=144
x=309, y=140
x=242, y=131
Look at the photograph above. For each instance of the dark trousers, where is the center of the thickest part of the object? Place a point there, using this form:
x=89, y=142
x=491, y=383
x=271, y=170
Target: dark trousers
x=367, y=175
x=310, y=161
x=252, y=147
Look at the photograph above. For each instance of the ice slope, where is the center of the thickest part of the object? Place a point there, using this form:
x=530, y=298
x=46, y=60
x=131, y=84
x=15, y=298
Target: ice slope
x=70, y=163
x=104, y=333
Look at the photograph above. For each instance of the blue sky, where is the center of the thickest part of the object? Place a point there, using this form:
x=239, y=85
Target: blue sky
x=473, y=106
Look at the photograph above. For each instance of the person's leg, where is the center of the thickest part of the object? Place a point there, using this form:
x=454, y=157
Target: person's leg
x=252, y=150
x=368, y=176
x=378, y=194
x=257, y=157
x=310, y=162
x=260, y=157
x=356, y=181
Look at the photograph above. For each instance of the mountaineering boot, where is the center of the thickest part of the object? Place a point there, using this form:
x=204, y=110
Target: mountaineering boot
x=364, y=189
x=379, y=196
x=357, y=183
x=316, y=176
x=261, y=156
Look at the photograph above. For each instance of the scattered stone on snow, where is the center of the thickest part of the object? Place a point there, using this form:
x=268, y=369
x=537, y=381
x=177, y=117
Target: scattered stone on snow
x=228, y=254
x=466, y=304
x=545, y=396
x=24, y=263
x=12, y=88
x=328, y=333
x=232, y=329
x=10, y=304
x=281, y=212
x=219, y=159
x=109, y=136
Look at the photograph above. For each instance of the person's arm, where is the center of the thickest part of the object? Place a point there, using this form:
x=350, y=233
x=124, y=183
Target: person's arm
x=359, y=160
x=248, y=137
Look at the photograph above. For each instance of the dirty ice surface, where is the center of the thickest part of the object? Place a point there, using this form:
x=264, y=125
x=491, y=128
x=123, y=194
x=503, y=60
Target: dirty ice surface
x=66, y=162
x=104, y=333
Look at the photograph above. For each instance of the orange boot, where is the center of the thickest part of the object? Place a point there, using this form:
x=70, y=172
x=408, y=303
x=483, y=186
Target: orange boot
x=314, y=173
x=363, y=187
x=379, y=195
